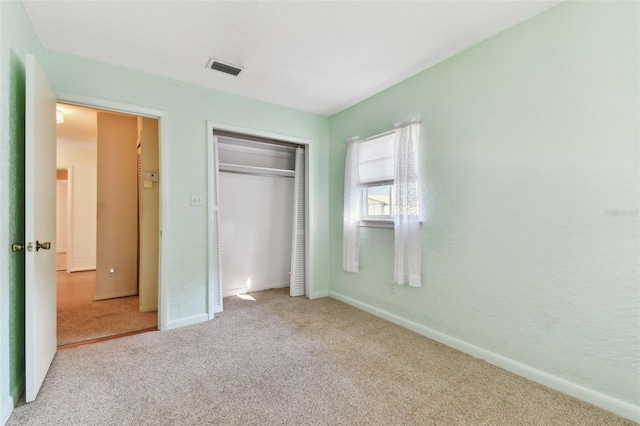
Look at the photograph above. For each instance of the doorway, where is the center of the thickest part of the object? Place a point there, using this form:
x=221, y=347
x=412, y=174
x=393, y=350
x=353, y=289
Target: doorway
x=109, y=286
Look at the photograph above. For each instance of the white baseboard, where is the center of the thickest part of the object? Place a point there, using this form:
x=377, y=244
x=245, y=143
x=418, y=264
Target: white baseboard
x=183, y=322
x=242, y=290
x=616, y=406
x=81, y=263
x=82, y=269
x=11, y=401
x=320, y=294
x=116, y=295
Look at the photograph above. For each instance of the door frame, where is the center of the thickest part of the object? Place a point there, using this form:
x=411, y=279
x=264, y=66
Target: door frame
x=163, y=138
x=309, y=184
x=69, y=217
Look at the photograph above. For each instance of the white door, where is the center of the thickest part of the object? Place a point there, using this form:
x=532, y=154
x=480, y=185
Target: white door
x=298, y=248
x=40, y=227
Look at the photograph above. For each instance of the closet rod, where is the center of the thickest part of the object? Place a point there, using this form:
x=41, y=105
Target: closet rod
x=254, y=174
x=250, y=138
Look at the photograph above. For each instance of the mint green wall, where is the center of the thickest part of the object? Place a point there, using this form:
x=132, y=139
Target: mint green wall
x=16, y=38
x=189, y=107
x=529, y=140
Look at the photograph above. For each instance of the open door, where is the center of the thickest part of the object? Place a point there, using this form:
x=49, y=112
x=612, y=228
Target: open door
x=298, y=249
x=40, y=227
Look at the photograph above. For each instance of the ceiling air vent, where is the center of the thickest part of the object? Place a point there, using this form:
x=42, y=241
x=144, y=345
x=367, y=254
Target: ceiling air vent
x=225, y=68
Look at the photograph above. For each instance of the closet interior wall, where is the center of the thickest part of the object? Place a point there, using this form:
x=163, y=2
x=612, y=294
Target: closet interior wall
x=256, y=188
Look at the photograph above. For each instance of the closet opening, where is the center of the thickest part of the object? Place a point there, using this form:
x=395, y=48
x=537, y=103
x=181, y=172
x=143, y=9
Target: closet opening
x=258, y=201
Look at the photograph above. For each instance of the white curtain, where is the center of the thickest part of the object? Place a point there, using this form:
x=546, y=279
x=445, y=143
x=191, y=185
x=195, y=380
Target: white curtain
x=352, y=200
x=408, y=239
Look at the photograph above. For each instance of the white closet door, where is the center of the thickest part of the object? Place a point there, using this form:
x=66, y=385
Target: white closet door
x=215, y=281
x=298, y=249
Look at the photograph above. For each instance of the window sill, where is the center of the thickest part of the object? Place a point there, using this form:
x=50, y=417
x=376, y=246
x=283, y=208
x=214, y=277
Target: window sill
x=370, y=223
x=378, y=223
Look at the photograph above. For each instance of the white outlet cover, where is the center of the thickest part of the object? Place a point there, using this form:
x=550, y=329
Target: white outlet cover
x=197, y=200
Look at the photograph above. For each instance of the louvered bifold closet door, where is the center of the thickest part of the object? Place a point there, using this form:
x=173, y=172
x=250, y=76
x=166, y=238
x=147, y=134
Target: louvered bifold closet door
x=298, y=249
x=215, y=274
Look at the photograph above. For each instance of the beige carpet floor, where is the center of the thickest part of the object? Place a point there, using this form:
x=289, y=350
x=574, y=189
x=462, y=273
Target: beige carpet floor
x=91, y=320
x=290, y=361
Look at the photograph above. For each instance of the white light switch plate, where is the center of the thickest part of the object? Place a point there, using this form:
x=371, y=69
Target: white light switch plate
x=197, y=200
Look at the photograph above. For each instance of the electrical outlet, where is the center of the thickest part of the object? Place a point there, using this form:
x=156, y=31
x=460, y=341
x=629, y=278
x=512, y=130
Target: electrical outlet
x=112, y=272
x=197, y=200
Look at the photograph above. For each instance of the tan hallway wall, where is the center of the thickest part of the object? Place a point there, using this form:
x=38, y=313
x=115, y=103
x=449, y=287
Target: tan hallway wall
x=117, y=229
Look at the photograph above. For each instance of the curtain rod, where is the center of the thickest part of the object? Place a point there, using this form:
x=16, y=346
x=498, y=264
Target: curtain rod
x=397, y=125
x=359, y=139
x=379, y=135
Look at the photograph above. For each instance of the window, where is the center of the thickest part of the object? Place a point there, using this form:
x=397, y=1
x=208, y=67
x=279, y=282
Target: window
x=382, y=188
x=376, y=178
x=377, y=202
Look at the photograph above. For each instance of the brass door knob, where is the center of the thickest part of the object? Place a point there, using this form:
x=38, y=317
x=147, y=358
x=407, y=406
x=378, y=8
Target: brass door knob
x=43, y=246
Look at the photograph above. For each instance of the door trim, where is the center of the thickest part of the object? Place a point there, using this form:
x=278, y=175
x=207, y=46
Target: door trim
x=163, y=138
x=309, y=182
x=68, y=218
x=69, y=265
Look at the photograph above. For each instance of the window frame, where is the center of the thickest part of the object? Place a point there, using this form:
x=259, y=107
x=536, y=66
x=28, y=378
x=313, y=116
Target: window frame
x=364, y=206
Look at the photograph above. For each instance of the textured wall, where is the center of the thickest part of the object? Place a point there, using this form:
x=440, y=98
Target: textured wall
x=184, y=237
x=529, y=147
x=16, y=39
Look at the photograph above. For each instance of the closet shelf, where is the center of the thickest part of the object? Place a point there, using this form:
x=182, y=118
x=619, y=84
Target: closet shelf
x=254, y=170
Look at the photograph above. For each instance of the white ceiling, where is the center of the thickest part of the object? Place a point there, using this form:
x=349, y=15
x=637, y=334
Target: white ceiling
x=319, y=57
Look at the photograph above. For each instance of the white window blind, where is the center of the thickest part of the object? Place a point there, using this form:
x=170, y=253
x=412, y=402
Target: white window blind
x=375, y=161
